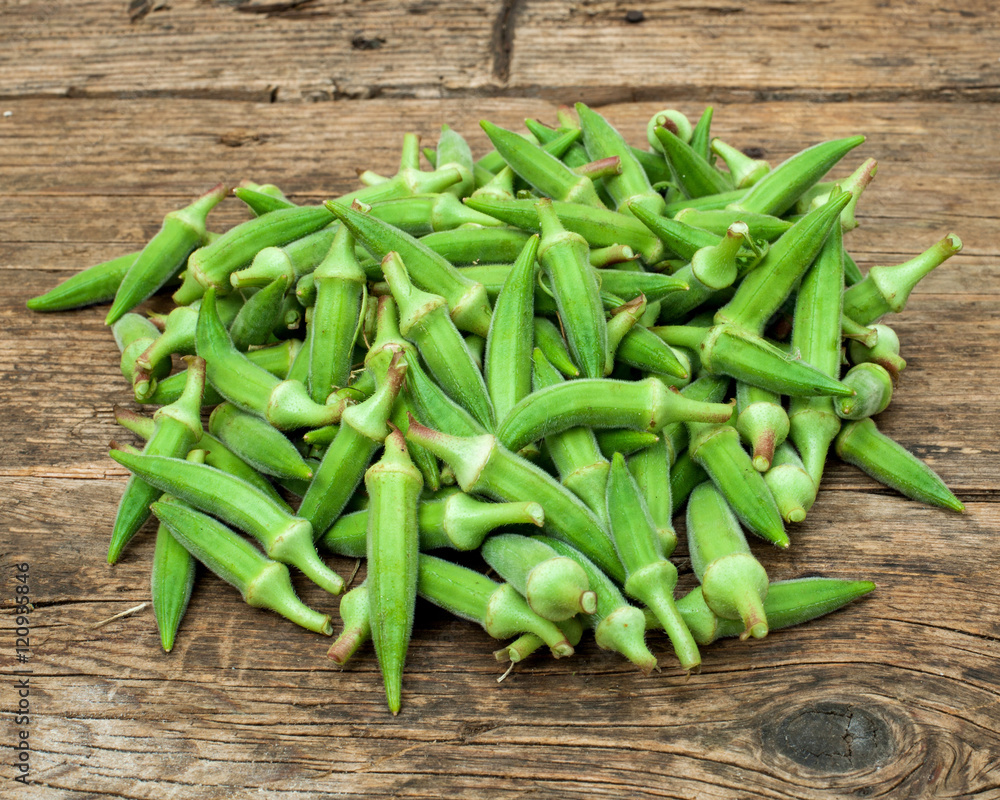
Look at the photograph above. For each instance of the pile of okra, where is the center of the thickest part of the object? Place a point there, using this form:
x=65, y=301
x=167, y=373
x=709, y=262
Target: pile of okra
x=542, y=355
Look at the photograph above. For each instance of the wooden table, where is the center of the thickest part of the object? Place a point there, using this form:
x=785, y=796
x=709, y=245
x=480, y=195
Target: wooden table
x=114, y=113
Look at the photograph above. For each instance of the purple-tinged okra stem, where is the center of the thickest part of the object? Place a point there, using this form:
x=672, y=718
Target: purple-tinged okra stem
x=544, y=172
x=777, y=191
x=507, y=362
x=743, y=170
x=356, y=628
x=467, y=301
x=602, y=141
x=182, y=231
x=862, y=444
x=581, y=466
x=603, y=403
x=762, y=422
x=177, y=427
x=457, y=521
x=172, y=577
x=650, y=467
x=717, y=449
x=563, y=256
x=733, y=582
x=599, y=227
x=285, y=404
x=651, y=578
x=816, y=335
x=763, y=290
x=261, y=446
x=884, y=352
x=791, y=486
x=692, y=174
x=872, y=385
x=528, y=643
x=393, y=485
x=886, y=289
x=210, y=266
x=362, y=428
x=482, y=466
x=285, y=537
x=555, y=587
x=96, y=284
x=788, y=603
x=496, y=607
x=424, y=320
x=262, y=582
x=617, y=625
x=340, y=297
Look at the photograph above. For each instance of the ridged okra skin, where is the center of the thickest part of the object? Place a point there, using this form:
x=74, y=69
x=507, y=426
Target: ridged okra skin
x=96, y=284
x=733, y=582
x=393, y=485
x=497, y=607
x=257, y=443
x=872, y=386
x=262, y=582
x=356, y=628
x=617, y=625
x=862, y=444
x=555, y=587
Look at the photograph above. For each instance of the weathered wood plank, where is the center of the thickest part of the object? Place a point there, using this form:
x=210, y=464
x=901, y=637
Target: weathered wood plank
x=329, y=50
x=711, y=51
x=323, y=50
x=897, y=691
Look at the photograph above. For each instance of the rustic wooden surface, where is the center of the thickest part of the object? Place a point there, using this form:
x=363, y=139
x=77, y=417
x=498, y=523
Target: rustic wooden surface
x=119, y=112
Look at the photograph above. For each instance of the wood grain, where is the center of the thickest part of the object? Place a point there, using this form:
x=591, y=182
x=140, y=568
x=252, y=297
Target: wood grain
x=121, y=111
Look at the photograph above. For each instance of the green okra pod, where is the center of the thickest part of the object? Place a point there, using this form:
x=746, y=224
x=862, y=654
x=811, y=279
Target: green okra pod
x=716, y=266
x=733, y=582
x=602, y=403
x=886, y=289
x=778, y=190
x=393, y=485
x=177, y=427
x=498, y=608
x=717, y=221
x=467, y=301
x=285, y=404
x=96, y=284
x=555, y=587
x=424, y=320
x=692, y=174
x=763, y=291
x=507, y=362
x=651, y=578
x=179, y=330
x=650, y=467
x=481, y=465
x=340, y=296
x=862, y=444
x=262, y=582
x=457, y=521
x=617, y=625
x=133, y=335
x=423, y=214
x=182, y=231
x=624, y=441
x=259, y=316
x=791, y=486
x=434, y=407
x=563, y=256
x=285, y=537
x=855, y=183
x=356, y=628
x=477, y=245
x=210, y=266
x=171, y=578
x=762, y=422
x=528, y=643
x=872, y=386
x=251, y=438
x=453, y=152
x=788, y=603
x=884, y=351
x=743, y=170
x=685, y=475
x=549, y=340
x=362, y=428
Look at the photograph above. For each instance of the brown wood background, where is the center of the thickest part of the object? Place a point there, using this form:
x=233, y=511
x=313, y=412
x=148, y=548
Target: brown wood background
x=115, y=112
